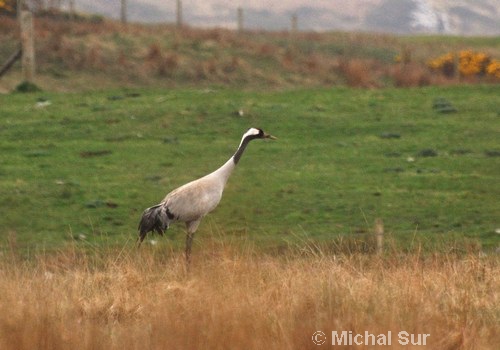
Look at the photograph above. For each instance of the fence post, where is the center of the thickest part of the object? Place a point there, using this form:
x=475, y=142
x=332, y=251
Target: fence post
x=72, y=13
x=124, y=12
x=295, y=25
x=240, y=19
x=28, y=46
x=19, y=9
x=379, y=235
x=179, y=13
x=293, y=32
x=54, y=5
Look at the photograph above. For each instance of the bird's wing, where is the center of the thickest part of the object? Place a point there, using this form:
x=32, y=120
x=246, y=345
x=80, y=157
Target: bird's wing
x=194, y=199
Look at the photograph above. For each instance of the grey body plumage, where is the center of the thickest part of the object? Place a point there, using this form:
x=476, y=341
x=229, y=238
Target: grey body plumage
x=191, y=202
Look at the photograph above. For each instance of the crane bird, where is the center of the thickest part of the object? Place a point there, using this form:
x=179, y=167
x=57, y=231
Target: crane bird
x=192, y=201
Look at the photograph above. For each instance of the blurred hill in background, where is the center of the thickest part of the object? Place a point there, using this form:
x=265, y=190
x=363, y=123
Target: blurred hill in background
x=458, y=17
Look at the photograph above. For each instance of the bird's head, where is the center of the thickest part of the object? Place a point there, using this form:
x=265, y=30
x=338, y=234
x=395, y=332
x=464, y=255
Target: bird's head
x=251, y=134
x=256, y=133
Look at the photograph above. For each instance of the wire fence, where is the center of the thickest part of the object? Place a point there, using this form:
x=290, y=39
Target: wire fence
x=121, y=9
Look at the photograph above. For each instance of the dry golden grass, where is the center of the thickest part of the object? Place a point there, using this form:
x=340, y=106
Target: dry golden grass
x=239, y=298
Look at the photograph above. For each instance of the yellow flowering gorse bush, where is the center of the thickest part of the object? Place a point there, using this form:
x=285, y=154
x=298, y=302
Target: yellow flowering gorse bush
x=468, y=63
x=472, y=63
x=445, y=64
x=493, y=69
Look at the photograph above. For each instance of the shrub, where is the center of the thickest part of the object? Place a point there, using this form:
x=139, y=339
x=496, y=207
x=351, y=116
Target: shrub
x=154, y=52
x=27, y=87
x=356, y=72
x=168, y=65
x=493, y=69
x=472, y=63
x=467, y=63
x=410, y=75
x=444, y=64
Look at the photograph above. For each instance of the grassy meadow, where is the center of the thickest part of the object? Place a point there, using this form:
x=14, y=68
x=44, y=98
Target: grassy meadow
x=83, y=166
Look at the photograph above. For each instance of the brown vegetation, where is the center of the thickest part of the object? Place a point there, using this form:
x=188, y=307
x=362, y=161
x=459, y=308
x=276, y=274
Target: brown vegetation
x=239, y=298
x=408, y=75
x=358, y=72
x=164, y=55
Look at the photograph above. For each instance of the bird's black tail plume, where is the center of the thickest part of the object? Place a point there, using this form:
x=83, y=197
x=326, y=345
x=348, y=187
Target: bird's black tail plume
x=153, y=219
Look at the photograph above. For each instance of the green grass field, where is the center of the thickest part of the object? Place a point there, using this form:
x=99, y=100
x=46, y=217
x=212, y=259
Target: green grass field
x=84, y=165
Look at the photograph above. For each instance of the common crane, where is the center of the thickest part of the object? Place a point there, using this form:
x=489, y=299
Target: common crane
x=192, y=201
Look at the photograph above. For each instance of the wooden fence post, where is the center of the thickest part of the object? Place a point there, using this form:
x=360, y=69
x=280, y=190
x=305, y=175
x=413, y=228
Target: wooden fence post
x=54, y=5
x=293, y=31
x=379, y=235
x=72, y=12
x=179, y=13
x=19, y=9
x=28, y=46
x=240, y=19
x=124, y=12
x=295, y=25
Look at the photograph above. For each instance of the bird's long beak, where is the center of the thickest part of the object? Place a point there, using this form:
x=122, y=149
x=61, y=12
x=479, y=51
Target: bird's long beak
x=267, y=136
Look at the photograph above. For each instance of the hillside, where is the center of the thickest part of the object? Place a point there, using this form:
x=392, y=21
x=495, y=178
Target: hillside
x=93, y=53
x=464, y=17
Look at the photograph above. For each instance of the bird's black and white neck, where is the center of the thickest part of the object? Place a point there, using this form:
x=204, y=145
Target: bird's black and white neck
x=251, y=134
x=225, y=170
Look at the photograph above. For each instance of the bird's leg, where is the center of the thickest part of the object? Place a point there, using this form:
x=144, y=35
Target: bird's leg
x=140, y=239
x=189, y=243
x=191, y=229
